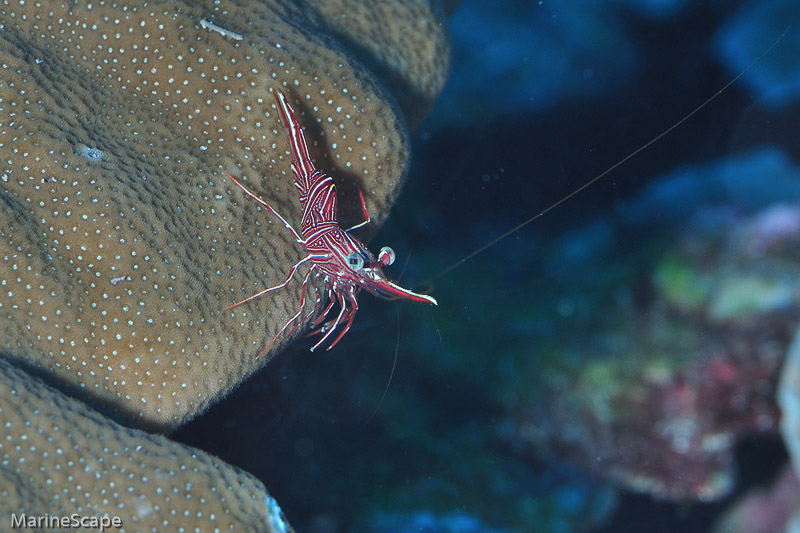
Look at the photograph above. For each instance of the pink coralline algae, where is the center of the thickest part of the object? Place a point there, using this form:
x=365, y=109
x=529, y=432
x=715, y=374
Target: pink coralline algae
x=684, y=363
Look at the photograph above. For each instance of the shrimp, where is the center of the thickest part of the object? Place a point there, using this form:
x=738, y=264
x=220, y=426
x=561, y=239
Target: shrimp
x=340, y=264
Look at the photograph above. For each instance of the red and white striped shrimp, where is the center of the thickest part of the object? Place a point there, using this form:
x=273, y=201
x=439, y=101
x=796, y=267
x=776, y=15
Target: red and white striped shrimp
x=341, y=265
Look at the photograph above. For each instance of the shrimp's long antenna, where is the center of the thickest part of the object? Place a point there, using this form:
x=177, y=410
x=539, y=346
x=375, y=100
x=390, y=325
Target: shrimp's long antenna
x=613, y=167
x=391, y=374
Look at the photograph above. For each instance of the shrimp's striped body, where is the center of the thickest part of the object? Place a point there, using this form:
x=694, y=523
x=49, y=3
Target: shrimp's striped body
x=341, y=265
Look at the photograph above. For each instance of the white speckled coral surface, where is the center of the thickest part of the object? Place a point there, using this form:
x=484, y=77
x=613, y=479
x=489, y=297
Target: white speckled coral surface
x=60, y=458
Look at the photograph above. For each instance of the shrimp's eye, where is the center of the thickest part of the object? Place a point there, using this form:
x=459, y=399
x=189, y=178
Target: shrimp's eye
x=386, y=256
x=355, y=261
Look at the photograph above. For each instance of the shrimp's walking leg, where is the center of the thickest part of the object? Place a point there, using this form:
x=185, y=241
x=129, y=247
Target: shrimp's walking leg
x=279, y=286
x=343, y=304
x=349, y=315
x=300, y=312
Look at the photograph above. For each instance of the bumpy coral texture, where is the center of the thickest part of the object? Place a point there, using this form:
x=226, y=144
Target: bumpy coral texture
x=415, y=68
x=71, y=459
x=120, y=238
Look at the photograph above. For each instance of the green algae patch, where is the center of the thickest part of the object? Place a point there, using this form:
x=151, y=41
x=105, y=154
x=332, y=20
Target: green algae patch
x=601, y=387
x=683, y=286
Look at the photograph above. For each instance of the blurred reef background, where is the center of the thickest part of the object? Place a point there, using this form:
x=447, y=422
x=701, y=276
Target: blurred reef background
x=628, y=361
x=612, y=366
